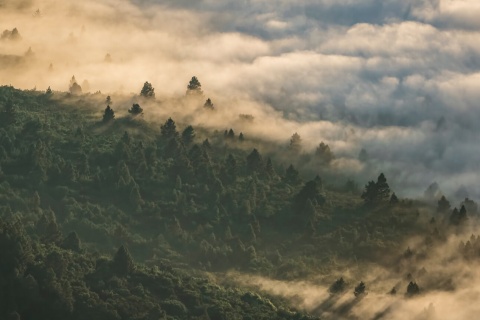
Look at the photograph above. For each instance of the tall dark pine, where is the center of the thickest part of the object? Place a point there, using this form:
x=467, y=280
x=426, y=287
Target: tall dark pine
x=72, y=242
x=310, y=191
x=254, y=162
x=383, y=190
x=188, y=135
x=376, y=193
x=443, y=205
x=108, y=115
x=412, y=289
x=231, y=168
x=147, y=91
x=269, y=170
x=457, y=217
x=123, y=262
x=370, y=192
x=169, y=129
x=291, y=175
x=194, y=87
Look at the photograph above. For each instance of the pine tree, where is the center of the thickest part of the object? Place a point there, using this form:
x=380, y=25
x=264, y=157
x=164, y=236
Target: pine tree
x=393, y=199
x=135, y=110
x=123, y=262
x=188, y=135
x=169, y=129
x=254, y=162
x=443, y=205
x=108, y=115
x=269, y=170
x=147, y=91
x=72, y=242
x=194, y=87
x=412, y=289
x=231, y=168
x=376, y=193
x=291, y=175
x=383, y=190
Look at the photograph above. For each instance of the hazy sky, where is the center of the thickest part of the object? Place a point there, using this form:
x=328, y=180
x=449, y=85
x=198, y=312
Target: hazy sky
x=397, y=77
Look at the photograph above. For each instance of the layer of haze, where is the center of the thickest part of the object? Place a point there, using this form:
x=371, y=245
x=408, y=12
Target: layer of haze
x=449, y=287
x=398, y=77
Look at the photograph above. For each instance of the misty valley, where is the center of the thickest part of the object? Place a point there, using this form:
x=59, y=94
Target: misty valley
x=107, y=215
x=239, y=160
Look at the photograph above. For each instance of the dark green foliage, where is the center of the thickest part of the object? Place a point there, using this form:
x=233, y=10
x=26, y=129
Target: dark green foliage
x=382, y=188
x=269, y=170
x=108, y=115
x=169, y=129
x=471, y=206
x=310, y=191
x=135, y=110
x=72, y=242
x=292, y=175
x=254, y=162
x=182, y=208
x=230, y=169
x=376, y=193
x=147, y=91
x=9, y=113
x=123, y=262
x=188, y=135
x=458, y=217
x=443, y=205
x=194, y=87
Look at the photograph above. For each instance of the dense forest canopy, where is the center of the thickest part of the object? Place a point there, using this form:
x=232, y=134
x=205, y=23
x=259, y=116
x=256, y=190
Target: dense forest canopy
x=128, y=219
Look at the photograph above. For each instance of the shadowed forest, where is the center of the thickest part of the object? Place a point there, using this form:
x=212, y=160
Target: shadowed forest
x=107, y=216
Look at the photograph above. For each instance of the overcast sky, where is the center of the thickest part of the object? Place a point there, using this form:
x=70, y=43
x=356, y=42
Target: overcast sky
x=399, y=78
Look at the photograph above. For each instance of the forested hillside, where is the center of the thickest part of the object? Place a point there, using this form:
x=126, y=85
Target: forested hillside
x=107, y=213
